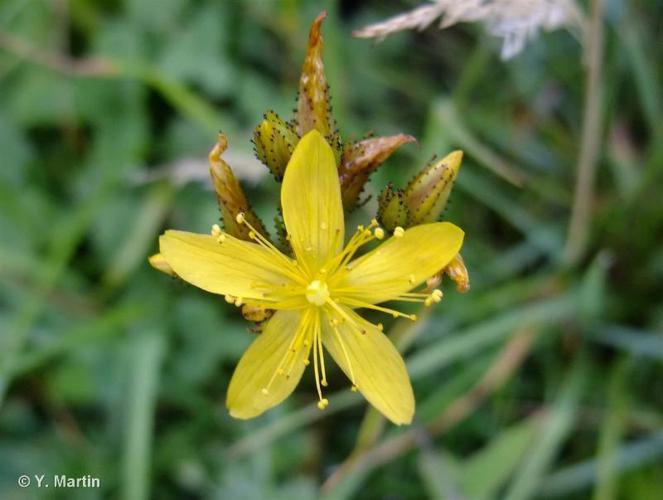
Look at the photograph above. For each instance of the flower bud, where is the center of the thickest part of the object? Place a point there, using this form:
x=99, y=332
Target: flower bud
x=230, y=195
x=360, y=159
x=428, y=192
x=313, y=104
x=275, y=140
x=392, y=210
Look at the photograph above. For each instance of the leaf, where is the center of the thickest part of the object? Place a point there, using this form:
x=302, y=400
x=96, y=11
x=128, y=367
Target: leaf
x=550, y=436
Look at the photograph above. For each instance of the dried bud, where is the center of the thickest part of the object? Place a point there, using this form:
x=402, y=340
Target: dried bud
x=392, y=210
x=428, y=192
x=313, y=104
x=231, y=197
x=457, y=271
x=158, y=262
x=275, y=140
x=256, y=313
x=362, y=158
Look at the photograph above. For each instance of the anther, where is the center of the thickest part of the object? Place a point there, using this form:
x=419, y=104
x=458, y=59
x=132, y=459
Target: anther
x=307, y=362
x=221, y=238
x=240, y=218
x=230, y=299
x=216, y=230
x=323, y=403
x=354, y=388
x=379, y=233
x=239, y=301
x=380, y=327
x=399, y=232
x=324, y=383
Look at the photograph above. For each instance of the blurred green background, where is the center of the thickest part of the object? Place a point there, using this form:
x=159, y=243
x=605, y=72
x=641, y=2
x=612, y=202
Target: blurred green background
x=545, y=381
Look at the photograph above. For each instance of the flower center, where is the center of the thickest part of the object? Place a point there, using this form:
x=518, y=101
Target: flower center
x=317, y=292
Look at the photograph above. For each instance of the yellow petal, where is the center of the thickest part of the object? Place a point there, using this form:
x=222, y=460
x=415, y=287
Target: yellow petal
x=311, y=201
x=373, y=364
x=402, y=263
x=234, y=267
x=260, y=363
x=158, y=262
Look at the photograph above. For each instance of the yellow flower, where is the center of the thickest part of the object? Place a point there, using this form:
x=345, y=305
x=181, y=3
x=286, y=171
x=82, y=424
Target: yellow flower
x=315, y=294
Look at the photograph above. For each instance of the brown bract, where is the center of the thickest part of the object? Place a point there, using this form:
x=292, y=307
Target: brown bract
x=230, y=195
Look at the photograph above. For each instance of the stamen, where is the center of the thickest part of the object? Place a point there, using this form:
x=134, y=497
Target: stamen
x=316, y=370
x=291, y=351
x=361, y=236
x=291, y=269
x=323, y=381
x=334, y=323
x=354, y=303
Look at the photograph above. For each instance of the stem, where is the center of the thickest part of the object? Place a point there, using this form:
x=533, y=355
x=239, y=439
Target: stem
x=578, y=234
x=502, y=368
